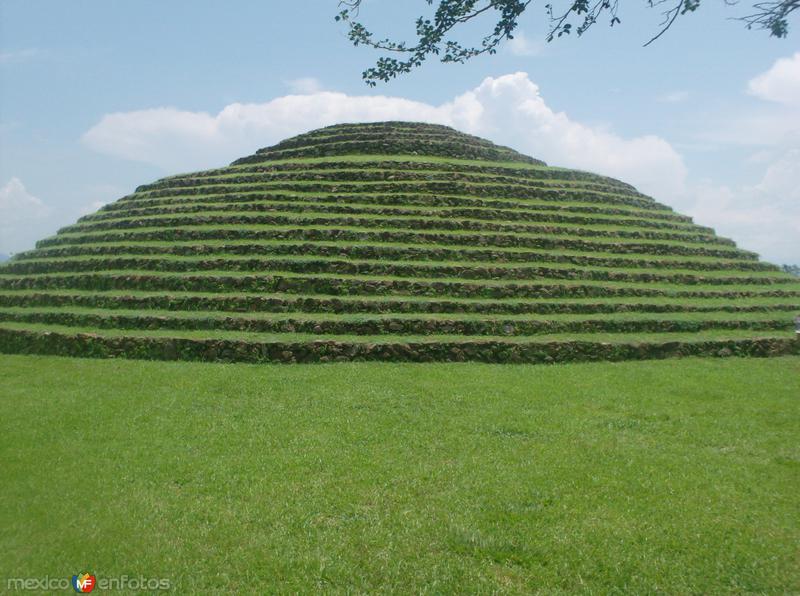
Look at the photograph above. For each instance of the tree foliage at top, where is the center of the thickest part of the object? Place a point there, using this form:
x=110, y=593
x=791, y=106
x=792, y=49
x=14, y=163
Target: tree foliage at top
x=435, y=36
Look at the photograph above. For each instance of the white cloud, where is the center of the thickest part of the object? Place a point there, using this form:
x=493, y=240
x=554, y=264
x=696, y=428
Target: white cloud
x=761, y=156
x=772, y=123
x=510, y=110
x=507, y=109
x=522, y=46
x=168, y=137
x=17, y=204
x=776, y=126
x=16, y=56
x=179, y=140
x=18, y=210
x=780, y=84
x=764, y=217
x=674, y=97
x=305, y=86
x=92, y=207
x=782, y=179
x=99, y=195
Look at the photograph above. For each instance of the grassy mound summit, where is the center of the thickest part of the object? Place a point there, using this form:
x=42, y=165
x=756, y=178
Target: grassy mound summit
x=392, y=241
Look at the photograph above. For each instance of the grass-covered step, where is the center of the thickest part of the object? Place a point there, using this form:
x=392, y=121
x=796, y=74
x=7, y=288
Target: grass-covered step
x=341, y=284
x=450, y=238
x=415, y=164
x=380, y=135
x=508, y=191
x=301, y=262
x=386, y=131
x=314, y=218
x=374, y=175
x=419, y=146
x=55, y=340
x=395, y=325
x=233, y=195
x=269, y=204
x=616, y=317
x=280, y=303
x=476, y=270
x=418, y=164
x=383, y=135
x=484, y=186
x=361, y=173
x=398, y=252
x=250, y=336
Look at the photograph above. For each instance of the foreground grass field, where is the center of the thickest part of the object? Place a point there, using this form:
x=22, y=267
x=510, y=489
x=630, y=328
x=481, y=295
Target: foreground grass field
x=672, y=476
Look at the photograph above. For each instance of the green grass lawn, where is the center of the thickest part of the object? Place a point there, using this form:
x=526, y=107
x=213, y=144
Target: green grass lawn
x=678, y=476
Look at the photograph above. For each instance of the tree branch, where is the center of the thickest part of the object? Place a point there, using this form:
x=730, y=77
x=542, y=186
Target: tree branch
x=670, y=17
x=432, y=33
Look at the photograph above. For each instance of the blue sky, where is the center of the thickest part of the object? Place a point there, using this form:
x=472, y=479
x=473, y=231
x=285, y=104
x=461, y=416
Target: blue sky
x=99, y=96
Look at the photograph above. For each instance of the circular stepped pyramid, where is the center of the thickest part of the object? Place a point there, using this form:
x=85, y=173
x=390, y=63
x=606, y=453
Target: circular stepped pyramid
x=392, y=241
